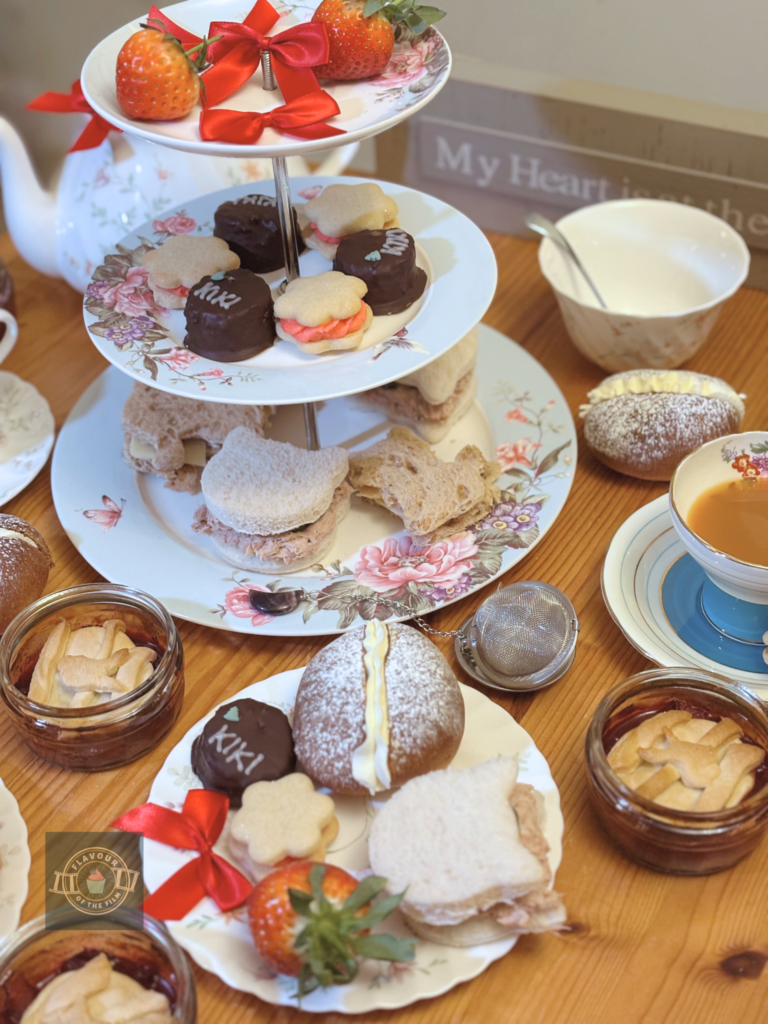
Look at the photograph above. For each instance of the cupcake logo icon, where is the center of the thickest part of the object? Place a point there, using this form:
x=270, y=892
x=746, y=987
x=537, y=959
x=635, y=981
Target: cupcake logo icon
x=96, y=880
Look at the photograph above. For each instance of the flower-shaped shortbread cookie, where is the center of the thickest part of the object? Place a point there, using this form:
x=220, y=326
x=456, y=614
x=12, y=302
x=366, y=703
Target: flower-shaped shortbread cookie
x=285, y=818
x=323, y=312
x=341, y=210
x=181, y=262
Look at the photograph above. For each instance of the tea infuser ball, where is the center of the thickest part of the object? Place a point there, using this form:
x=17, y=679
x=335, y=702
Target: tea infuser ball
x=521, y=638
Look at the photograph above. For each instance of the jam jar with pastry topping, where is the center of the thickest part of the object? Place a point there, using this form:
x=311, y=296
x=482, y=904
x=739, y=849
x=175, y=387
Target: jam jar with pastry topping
x=677, y=762
x=92, y=676
x=143, y=964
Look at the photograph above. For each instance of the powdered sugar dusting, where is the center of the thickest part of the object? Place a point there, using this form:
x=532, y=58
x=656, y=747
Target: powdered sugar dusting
x=426, y=709
x=647, y=435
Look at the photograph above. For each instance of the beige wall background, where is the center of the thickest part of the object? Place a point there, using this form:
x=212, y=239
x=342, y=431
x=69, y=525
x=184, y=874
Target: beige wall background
x=699, y=60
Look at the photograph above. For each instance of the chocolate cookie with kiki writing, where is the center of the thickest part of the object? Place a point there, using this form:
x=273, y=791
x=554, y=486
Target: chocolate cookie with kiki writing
x=230, y=316
x=246, y=741
x=251, y=227
x=386, y=261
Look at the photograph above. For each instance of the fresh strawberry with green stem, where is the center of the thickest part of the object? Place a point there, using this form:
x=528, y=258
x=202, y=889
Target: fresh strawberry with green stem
x=156, y=78
x=362, y=33
x=312, y=922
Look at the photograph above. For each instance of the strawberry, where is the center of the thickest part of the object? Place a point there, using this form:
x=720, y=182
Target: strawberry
x=362, y=33
x=311, y=921
x=157, y=80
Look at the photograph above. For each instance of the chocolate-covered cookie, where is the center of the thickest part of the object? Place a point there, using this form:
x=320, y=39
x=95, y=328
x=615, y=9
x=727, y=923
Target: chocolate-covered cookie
x=230, y=316
x=386, y=261
x=251, y=227
x=245, y=742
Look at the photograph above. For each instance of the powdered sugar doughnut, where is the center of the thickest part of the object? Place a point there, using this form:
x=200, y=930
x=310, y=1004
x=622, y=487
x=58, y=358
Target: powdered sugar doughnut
x=644, y=422
x=375, y=708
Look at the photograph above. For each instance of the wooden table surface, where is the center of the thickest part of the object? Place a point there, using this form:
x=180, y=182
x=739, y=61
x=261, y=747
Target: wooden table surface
x=640, y=946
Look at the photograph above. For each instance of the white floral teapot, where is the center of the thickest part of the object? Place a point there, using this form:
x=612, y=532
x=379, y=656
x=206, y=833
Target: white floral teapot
x=105, y=192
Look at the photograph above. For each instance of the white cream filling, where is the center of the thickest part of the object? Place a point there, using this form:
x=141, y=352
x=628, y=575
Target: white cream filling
x=18, y=536
x=676, y=382
x=370, y=761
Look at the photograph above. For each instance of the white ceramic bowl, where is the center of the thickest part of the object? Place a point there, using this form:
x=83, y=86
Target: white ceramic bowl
x=664, y=270
x=718, y=461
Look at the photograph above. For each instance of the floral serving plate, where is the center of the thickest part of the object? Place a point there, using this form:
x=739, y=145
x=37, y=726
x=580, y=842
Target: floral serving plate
x=647, y=580
x=221, y=943
x=416, y=73
x=15, y=860
x=26, y=434
x=133, y=530
x=147, y=342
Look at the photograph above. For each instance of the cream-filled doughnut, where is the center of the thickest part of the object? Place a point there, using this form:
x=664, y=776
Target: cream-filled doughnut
x=644, y=422
x=375, y=708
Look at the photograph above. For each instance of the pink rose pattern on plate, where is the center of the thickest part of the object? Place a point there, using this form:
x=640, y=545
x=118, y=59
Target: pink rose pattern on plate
x=398, y=577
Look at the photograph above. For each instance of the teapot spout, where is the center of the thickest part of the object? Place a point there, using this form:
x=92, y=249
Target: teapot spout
x=30, y=212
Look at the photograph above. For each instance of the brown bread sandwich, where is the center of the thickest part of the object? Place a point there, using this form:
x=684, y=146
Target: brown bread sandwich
x=174, y=437
x=434, y=499
x=433, y=399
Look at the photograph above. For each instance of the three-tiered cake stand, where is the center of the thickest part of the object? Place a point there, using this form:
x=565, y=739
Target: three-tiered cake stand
x=133, y=530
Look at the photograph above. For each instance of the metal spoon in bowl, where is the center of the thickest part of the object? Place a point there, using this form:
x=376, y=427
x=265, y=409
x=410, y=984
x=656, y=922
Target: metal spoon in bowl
x=543, y=226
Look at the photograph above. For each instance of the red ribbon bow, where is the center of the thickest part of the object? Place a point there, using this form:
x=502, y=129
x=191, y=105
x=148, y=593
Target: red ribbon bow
x=237, y=55
x=197, y=827
x=301, y=117
x=74, y=101
x=187, y=39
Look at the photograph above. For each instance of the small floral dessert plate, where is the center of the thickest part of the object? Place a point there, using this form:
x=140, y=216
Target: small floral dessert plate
x=221, y=943
x=648, y=579
x=135, y=531
x=416, y=73
x=147, y=342
x=26, y=434
x=14, y=863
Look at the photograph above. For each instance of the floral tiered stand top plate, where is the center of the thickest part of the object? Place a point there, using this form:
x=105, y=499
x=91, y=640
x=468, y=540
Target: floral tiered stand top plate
x=417, y=71
x=147, y=342
x=135, y=531
x=221, y=943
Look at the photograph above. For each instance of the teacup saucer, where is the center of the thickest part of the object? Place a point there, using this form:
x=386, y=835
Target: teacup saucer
x=26, y=434
x=652, y=588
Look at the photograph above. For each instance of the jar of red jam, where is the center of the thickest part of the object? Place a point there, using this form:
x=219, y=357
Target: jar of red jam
x=103, y=735
x=684, y=842
x=138, y=946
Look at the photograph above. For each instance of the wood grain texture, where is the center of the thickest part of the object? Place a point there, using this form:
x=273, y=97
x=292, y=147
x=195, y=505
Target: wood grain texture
x=642, y=947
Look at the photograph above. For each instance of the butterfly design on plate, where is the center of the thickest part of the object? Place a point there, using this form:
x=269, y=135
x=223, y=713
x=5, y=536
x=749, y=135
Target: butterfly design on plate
x=108, y=516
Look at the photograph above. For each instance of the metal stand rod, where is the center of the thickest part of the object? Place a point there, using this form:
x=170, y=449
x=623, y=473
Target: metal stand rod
x=290, y=239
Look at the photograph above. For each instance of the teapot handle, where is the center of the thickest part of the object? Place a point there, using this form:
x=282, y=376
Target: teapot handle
x=11, y=333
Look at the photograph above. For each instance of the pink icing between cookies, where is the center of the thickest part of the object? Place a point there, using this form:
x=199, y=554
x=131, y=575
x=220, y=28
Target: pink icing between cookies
x=329, y=239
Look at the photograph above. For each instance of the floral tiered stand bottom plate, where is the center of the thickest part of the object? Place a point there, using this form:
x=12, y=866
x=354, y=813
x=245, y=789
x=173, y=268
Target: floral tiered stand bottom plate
x=221, y=943
x=134, y=531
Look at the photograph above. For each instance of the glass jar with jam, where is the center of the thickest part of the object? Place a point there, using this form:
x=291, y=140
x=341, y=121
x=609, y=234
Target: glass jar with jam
x=139, y=947
x=57, y=707
x=670, y=798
